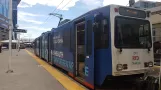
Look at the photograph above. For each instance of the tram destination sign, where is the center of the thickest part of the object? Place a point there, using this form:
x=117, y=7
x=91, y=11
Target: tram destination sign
x=20, y=30
x=132, y=12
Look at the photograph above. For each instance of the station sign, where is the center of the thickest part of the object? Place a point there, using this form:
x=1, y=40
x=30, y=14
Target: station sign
x=20, y=30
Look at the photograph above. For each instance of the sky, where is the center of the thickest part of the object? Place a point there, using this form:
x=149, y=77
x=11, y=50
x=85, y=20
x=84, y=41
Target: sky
x=33, y=14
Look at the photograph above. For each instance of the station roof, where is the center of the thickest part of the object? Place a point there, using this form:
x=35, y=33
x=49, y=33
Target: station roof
x=155, y=15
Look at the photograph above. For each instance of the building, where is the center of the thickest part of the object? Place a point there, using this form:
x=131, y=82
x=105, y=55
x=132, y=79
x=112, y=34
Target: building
x=155, y=19
x=146, y=4
x=4, y=21
x=14, y=15
x=4, y=15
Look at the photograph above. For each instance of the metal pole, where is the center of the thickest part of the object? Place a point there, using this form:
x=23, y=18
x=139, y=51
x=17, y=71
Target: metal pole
x=19, y=41
x=10, y=37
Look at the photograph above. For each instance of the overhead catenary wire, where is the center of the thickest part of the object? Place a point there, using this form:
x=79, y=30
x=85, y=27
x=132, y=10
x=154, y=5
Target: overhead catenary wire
x=54, y=10
x=63, y=7
x=57, y=8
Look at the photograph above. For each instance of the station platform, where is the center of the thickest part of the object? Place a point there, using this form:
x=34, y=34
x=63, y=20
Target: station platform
x=32, y=73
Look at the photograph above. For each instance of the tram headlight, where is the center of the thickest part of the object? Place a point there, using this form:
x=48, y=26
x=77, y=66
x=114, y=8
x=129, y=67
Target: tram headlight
x=119, y=67
x=150, y=64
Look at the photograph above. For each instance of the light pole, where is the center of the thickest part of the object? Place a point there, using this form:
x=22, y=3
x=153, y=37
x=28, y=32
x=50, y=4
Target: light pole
x=18, y=36
x=29, y=36
x=60, y=16
x=10, y=37
x=19, y=41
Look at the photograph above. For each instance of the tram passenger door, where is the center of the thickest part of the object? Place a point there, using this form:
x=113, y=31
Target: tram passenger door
x=80, y=50
x=89, y=52
x=85, y=52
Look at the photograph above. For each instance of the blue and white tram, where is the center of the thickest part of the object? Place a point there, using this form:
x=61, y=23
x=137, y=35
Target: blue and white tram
x=111, y=41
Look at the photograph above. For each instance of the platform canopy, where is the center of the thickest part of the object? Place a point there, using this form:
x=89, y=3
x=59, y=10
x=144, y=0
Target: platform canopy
x=13, y=41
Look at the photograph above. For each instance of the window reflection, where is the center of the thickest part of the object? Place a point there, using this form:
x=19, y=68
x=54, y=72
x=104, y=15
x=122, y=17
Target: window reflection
x=4, y=7
x=132, y=33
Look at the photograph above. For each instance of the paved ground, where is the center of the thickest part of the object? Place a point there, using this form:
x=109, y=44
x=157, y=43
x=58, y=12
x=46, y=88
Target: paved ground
x=27, y=75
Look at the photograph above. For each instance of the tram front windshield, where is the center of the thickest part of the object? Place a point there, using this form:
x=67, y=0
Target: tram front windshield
x=132, y=33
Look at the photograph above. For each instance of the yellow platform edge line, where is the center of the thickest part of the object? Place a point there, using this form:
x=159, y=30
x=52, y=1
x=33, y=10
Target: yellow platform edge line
x=156, y=66
x=64, y=80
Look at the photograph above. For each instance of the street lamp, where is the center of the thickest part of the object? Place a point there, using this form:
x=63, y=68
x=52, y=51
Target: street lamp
x=57, y=15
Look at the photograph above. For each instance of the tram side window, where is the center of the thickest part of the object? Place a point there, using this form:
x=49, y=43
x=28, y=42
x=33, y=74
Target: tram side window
x=45, y=42
x=73, y=39
x=66, y=38
x=101, y=35
x=54, y=40
x=37, y=45
x=89, y=37
x=51, y=41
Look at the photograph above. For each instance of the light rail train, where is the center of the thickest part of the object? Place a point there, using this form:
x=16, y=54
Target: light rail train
x=112, y=42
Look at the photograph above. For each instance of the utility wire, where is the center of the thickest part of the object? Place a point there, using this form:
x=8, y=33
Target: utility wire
x=64, y=6
x=57, y=8
x=54, y=10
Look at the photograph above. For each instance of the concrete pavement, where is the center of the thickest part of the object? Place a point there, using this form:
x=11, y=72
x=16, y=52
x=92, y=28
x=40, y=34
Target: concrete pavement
x=27, y=75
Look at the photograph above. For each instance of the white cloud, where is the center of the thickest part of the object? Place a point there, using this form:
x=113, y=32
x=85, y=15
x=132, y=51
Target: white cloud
x=30, y=3
x=30, y=34
x=24, y=5
x=36, y=28
x=28, y=14
x=92, y=2
x=30, y=20
x=33, y=31
x=27, y=17
x=71, y=3
x=121, y=2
